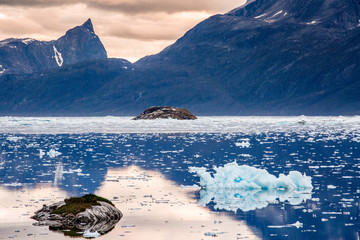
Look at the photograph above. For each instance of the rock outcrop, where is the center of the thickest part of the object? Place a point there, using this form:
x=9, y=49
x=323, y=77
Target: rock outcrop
x=165, y=113
x=100, y=218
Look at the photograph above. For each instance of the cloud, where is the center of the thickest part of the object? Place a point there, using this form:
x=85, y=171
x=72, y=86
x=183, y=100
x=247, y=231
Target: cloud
x=134, y=7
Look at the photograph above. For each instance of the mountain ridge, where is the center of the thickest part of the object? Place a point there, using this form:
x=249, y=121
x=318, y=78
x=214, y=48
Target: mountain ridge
x=265, y=58
x=26, y=56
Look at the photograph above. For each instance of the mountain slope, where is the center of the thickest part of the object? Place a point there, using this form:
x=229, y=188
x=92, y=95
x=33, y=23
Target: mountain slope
x=19, y=56
x=268, y=57
x=275, y=57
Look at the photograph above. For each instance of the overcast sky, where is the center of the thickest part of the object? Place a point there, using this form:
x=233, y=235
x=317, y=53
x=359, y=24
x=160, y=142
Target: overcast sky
x=129, y=29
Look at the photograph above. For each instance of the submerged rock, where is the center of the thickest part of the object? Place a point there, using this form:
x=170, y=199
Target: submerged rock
x=166, y=112
x=89, y=214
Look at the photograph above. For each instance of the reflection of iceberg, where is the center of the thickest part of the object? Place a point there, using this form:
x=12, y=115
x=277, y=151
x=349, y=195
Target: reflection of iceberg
x=246, y=200
x=233, y=176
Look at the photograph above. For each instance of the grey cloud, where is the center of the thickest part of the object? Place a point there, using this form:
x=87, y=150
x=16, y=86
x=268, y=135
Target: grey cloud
x=124, y=6
x=36, y=3
x=143, y=34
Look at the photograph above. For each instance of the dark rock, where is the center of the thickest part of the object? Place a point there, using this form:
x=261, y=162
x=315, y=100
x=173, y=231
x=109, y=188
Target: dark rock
x=100, y=218
x=166, y=112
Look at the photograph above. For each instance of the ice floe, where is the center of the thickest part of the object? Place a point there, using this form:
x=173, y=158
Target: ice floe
x=88, y=234
x=233, y=176
x=53, y=153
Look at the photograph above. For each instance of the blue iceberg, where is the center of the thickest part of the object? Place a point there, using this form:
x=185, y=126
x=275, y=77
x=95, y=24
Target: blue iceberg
x=233, y=176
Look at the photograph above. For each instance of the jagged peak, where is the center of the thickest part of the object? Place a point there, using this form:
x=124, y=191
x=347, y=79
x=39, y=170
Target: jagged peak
x=88, y=25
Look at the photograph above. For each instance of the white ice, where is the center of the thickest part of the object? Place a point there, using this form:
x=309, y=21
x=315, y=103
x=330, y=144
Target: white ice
x=13, y=138
x=233, y=176
x=58, y=57
x=326, y=127
x=26, y=41
x=2, y=69
x=234, y=187
x=88, y=234
x=277, y=13
x=53, y=153
x=297, y=225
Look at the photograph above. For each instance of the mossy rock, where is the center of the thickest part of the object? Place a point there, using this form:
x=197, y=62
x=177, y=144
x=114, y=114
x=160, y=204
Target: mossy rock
x=77, y=205
x=87, y=214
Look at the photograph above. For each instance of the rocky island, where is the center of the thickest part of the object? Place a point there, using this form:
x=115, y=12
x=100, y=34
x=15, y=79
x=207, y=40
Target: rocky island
x=88, y=216
x=165, y=113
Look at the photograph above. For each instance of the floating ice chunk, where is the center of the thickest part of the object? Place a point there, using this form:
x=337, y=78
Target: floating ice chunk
x=53, y=153
x=14, y=139
x=88, y=234
x=243, y=144
x=297, y=225
x=233, y=176
x=41, y=153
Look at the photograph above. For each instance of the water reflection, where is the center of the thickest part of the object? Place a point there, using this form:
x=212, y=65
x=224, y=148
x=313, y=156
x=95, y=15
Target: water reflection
x=153, y=208
x=331, y=158
x=247, y=200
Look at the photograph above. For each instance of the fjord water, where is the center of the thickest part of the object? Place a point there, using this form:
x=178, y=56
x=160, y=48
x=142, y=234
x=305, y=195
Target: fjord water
x=143, y=167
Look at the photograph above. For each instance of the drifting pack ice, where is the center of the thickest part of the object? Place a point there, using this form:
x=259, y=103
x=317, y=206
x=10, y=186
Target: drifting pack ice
x=233, y=176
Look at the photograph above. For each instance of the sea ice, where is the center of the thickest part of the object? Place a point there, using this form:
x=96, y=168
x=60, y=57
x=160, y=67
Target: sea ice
x=53, y=153
x=88, y=234
x=233, y=176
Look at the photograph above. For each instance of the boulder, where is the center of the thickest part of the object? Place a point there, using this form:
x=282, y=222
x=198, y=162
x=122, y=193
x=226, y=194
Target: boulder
x=166, y=112
x=100, y=217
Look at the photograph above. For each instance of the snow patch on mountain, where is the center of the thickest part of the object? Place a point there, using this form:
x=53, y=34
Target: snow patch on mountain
x=26, y=41
x=2, y=69
x=58, y=57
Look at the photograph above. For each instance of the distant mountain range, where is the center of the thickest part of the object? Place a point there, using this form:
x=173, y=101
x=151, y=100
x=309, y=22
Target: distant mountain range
x=268, y=57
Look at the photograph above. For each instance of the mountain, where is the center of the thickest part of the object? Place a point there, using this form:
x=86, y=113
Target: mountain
x=26, y=56
x=268, y=57
x=274, y=57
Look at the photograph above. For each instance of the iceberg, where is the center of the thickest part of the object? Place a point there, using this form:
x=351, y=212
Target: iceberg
x=233, y=176
x=234, y=187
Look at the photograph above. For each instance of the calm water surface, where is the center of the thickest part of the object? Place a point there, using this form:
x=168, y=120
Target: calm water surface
x=146, y=174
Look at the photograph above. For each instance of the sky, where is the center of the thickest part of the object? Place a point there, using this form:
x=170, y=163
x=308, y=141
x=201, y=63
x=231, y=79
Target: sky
x=129, y=29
